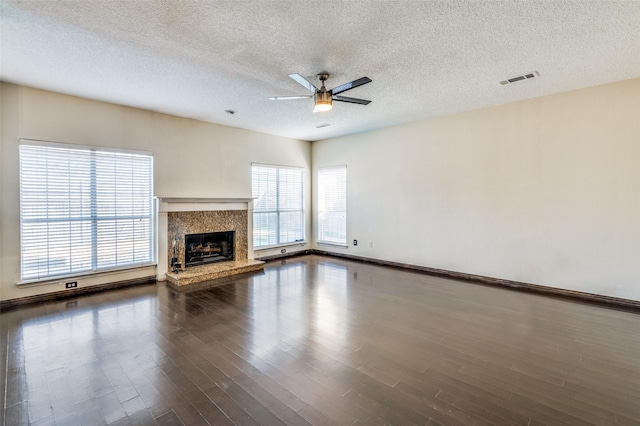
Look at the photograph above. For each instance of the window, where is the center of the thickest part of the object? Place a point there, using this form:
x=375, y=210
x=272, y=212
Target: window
x=278, y=211
x=332, y=205
x=83, y=210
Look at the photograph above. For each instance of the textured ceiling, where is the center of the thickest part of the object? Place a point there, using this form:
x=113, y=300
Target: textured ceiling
x=199, y=58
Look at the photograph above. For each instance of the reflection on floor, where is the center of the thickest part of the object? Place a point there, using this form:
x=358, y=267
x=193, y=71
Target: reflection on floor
x=317, y=340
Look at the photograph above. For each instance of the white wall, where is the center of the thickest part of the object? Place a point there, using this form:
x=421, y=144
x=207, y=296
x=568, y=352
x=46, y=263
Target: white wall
x=184, y=151
x=545, y=191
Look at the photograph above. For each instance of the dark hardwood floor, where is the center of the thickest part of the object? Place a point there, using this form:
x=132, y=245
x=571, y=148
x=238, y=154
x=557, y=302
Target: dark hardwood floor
x=320, y=340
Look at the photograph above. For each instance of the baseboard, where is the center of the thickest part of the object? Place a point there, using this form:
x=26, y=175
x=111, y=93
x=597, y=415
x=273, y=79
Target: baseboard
x=612, y=302
x=73, y=292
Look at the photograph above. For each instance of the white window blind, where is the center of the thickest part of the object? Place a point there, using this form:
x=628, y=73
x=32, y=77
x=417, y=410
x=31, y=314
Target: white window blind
x=332, y=205
x=83, y=210
x=278, y=211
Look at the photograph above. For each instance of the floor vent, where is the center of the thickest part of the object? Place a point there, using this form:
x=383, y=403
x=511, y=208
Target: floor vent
x=520, y=78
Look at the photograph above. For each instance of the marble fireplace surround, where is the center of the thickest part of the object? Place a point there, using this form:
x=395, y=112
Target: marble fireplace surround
x=178, y=217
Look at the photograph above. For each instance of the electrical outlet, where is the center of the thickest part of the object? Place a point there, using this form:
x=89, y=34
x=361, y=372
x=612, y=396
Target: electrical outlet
x=370, y=244
x=72, y=284
x=355, y=242
x=283, y=251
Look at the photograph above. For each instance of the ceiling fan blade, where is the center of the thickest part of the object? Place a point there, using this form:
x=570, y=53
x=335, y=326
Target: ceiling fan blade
x=303, y=81
x=287, y=98
x=350, y=85
x=351, y=100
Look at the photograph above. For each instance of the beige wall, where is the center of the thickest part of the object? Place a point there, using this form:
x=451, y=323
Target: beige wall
x=545, y=191
x=178, y=145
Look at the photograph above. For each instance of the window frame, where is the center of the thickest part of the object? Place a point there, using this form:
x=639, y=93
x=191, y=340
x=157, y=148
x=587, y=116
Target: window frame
x=278, y=210
x=94, y=218
x=321, y=238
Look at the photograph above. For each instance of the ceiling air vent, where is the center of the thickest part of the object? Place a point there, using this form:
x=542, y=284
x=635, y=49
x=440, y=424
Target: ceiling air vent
x=520, y=78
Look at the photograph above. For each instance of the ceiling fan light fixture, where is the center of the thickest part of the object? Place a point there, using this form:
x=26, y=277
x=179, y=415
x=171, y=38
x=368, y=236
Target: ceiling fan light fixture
x=322, y=101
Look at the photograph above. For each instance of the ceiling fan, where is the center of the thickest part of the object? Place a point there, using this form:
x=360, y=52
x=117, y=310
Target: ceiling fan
x=322, y=97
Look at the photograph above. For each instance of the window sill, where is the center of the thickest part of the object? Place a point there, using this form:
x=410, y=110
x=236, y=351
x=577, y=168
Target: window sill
x=63, y=278
x=295, y=243
x=326, y=243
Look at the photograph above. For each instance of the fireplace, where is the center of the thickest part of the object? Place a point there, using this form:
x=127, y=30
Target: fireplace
x=183, y=218
x=201, y=249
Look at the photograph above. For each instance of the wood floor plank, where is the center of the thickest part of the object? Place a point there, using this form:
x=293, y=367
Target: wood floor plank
x=269, y=401
x=169, y=419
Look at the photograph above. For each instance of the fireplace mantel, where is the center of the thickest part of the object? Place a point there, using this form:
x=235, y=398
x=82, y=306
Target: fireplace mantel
x=179, y=200
x=182, y=204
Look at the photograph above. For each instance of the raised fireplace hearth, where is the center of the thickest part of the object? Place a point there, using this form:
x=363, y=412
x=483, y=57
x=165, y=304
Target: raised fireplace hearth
x=210, y=247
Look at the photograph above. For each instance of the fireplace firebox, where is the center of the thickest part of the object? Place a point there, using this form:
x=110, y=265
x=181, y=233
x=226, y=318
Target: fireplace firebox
x=200, y=249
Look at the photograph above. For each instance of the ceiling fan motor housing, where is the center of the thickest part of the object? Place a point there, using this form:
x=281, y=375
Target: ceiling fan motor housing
x=322, y=97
